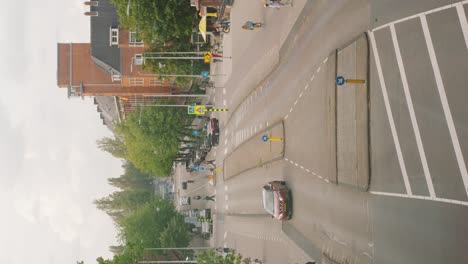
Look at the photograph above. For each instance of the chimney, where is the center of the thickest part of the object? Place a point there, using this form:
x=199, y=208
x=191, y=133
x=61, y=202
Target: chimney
x=91, y=3
x=92, y=13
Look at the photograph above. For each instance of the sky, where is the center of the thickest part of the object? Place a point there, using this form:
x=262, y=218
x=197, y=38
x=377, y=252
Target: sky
x=51, y=170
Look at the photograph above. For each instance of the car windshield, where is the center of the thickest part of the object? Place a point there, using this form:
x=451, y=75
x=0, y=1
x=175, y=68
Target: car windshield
x=269, y=201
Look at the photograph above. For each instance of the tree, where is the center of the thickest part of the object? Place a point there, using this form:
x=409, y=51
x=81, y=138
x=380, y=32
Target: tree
x=144, y=226
x=176, y=233
x=131, y=253
x=157, y=21
x=210, y=257
x=152, y=140
x=112, y=145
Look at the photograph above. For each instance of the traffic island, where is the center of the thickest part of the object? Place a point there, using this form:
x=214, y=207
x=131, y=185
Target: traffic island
x=261, y=149
x=352, y=120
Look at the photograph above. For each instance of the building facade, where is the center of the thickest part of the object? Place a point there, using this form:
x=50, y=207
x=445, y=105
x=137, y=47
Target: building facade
x=110, y=65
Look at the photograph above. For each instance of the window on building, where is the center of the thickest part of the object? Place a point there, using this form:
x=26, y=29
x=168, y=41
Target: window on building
x=114, y=36
x=138, y=59
x=134, y=40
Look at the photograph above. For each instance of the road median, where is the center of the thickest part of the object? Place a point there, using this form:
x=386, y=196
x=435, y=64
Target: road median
x=255, y=152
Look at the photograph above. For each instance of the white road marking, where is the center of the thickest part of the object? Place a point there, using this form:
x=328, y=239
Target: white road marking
x=307, y=170
x=445, y=105
x=286, y=159
x=291, y=162
x=318, y=70
x=295, y=103
x=225, y=150
x=224, y=90
x=435, y=199
x=306, y=87
x=226, y=187
x=214, y=192
x=301, y=94
x=225, y=141
x=296, y=164
x=422, y=13
x=414, y=121
x=286, y=117
x=311, y=79
x=325, y=60
x=215, y=153
x=214, y=99
x=302, y=167
x=327, y=180
x=290, y=110
x=389, y=113
x=224, y=102
x=267, y=124
x=225, y=235
x=463, y=23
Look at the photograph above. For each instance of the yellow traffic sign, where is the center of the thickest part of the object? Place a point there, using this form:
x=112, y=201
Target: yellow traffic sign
x=207, y=57
x=200, y=109
x=196, y=110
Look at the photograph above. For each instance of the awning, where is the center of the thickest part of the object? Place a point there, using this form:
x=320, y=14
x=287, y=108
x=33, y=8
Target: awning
x=202, y=27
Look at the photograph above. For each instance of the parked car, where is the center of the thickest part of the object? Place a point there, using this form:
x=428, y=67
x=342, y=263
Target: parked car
x=206, y=143
x=212, y=130
x=277, y=200
x=184, y=185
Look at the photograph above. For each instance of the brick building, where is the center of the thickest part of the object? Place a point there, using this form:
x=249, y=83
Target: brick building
x=110, y=65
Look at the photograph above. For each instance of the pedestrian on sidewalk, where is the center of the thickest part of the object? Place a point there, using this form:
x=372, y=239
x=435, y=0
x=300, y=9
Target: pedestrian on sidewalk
x=210, y=198
x=198, y=197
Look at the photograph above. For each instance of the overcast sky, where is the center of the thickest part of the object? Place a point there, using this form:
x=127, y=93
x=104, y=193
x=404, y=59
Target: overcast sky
x=51, y=170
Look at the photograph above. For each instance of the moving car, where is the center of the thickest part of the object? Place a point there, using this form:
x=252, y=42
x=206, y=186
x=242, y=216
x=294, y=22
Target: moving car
x=277, y=200
x=212, y=130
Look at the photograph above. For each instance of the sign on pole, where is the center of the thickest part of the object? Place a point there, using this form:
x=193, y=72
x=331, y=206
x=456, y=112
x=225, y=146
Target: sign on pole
x=207, y=57
x=196, y=110
x=340, y=80
x=205, y=74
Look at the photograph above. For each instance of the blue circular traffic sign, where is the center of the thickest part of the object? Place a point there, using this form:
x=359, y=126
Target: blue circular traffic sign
x=340, y=80
x=205, y=74
x=265, y=138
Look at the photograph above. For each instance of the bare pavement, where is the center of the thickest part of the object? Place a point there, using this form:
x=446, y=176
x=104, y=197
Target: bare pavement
x=377, y=170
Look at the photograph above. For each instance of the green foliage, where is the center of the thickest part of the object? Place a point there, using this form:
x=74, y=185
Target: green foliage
x=131, y=254
x=112, y=145
x=175, y=233
x=136, y=189
x=144, y=226
x=210, y=257
x=153, y=141
x=157, y=21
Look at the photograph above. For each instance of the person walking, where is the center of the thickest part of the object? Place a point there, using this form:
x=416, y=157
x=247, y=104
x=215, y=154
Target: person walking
x=210, y=198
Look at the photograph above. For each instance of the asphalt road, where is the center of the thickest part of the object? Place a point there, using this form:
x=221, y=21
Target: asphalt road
x=416, y=208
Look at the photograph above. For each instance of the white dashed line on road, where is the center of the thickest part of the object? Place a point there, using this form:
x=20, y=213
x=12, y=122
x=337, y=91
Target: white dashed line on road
x=224, y=102
x=224, y=90
x=225, y=187
x=325, y=60
x=286, y=117
x=318, y=70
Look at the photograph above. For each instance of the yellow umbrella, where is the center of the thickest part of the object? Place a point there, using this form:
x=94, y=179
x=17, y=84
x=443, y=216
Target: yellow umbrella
x=202, y=27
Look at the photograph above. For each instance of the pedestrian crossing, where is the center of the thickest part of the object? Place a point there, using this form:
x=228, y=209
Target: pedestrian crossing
x=418, y=84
